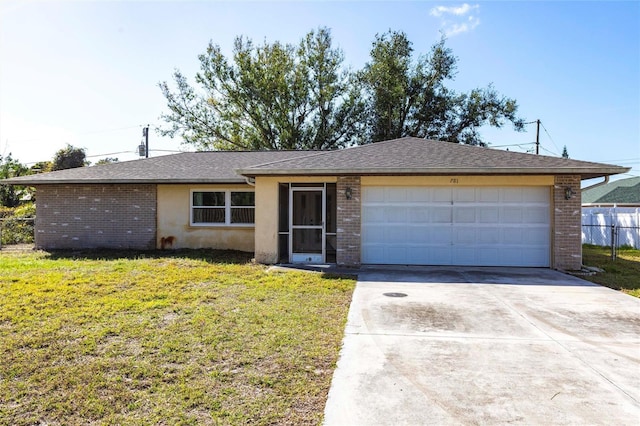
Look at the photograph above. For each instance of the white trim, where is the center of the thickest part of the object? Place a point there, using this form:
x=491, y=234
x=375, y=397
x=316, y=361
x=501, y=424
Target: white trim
x=227, y=208
x=307, y=257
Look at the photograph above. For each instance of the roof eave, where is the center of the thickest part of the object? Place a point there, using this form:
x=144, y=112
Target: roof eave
x=239, y=180
x=585, y=173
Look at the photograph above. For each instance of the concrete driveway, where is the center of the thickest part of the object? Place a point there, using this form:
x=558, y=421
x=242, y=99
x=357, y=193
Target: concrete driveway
x=486, y=346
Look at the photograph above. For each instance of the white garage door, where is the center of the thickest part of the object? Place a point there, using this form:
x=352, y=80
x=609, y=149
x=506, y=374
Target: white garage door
x=482, y=226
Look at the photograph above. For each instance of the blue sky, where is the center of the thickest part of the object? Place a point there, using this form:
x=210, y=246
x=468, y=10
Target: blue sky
x=86, y=73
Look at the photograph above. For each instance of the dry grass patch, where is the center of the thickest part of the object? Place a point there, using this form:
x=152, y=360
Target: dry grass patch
x=190, y=338
x=620, y=274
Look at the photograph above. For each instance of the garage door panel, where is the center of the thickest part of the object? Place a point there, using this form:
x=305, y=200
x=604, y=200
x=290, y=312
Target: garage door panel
x=438, y=256
x=511, y=215
x=463, y=256
x=464, y=214
x=464, y=236
x=441, y=195
x=441, y=214
x=487, y=226
x=396, y=214
x=396, y=234
x=441, y=235
x=375, y=194
x=464, y=195
x=537, y=195
x=512, y=195
x=418, y=195
x=536, y=215
x=373, y=215
x=511, y=235
x=488, y=214
x=488, y=236
x=419, y=235
x=419, y=215
x=488, y=195
x=395, y=195
x=535, y=257
x=535, y=236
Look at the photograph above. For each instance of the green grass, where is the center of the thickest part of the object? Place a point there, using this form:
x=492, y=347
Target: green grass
x=187, y=338
x=620, y=274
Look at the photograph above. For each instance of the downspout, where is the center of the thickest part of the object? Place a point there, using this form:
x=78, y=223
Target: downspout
x=250, y=180
x=595, y=185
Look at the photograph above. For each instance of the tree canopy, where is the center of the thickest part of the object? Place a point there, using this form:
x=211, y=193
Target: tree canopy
x=69, y=157
x=10, y=196
x=285, y=96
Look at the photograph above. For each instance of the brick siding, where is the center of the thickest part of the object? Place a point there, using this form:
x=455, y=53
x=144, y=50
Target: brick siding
x=95, y=216
x=349, y=217
x=567, y=236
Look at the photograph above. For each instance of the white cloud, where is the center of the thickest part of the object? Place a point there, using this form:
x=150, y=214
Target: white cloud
x=453, y=10
x=457, y=19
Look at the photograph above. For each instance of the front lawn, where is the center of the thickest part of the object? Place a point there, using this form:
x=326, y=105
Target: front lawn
x=194, y=337
x=620, y=274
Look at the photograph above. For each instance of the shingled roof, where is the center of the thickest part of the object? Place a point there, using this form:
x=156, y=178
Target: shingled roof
x=186, y=167
x=411, y=156
x=406, y=156
x=623, y=191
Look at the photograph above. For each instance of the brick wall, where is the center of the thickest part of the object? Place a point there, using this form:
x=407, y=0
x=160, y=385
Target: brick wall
x=95, y=216
x=348, y=230
x=567, y=237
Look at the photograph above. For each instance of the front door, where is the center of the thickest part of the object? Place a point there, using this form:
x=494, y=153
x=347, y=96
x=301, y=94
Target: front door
x=307, y=225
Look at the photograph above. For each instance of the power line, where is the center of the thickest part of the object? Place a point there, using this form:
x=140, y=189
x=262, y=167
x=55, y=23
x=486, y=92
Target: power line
x=550, y=152
x=93, y=132
x=513, y=144
x=545, y=130
x=111, y=153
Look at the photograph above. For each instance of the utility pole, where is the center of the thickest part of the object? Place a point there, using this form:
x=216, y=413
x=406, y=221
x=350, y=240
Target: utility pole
x=145, y=133
x=538, y=137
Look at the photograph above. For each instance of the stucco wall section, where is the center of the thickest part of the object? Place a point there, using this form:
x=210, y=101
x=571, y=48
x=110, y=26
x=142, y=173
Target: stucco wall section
x=95, y=216
x=349, y=219
x=174, y=220
x=567, y=233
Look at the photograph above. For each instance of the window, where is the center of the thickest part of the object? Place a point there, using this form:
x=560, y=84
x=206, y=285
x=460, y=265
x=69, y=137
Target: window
x=222, y=208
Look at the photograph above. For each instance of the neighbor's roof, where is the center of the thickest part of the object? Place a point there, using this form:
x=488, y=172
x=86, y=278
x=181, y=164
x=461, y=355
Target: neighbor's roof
x=623, y=191
x=411, y=156
x=406, y=156
x=186, y=167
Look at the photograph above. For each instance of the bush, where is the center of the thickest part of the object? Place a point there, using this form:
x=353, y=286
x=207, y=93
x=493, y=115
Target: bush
x=17, y=224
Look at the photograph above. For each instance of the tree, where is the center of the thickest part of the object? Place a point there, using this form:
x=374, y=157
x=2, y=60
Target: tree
x=565, y=153
x=407, y=97
x=272, y=96
x=69, y=157
x=107, y=160
x=10, y=196
x=41, y=167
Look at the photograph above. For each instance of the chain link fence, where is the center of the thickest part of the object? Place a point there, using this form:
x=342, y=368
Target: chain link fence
x=612, y=227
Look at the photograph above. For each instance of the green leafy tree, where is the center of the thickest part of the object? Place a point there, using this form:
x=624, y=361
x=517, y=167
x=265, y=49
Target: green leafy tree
x=10, y=195
x=41, y=167
x=409, y=97
x=271, y=96
x=69, y=157
x=107, y=160
x=565, y=153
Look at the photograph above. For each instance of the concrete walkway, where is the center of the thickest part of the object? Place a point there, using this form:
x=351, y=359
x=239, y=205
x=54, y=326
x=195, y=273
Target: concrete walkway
x=486, y=346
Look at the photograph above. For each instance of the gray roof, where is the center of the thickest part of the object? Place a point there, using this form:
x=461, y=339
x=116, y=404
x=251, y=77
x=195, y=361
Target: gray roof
x=406, y=156
x=623, y=191
x=411, y=156
x=186, y=167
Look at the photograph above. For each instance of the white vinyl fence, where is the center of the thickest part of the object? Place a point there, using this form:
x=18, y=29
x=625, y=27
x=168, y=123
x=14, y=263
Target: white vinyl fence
x=601, y=224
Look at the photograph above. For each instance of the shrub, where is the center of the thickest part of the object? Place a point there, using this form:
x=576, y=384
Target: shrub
x=17, y=224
